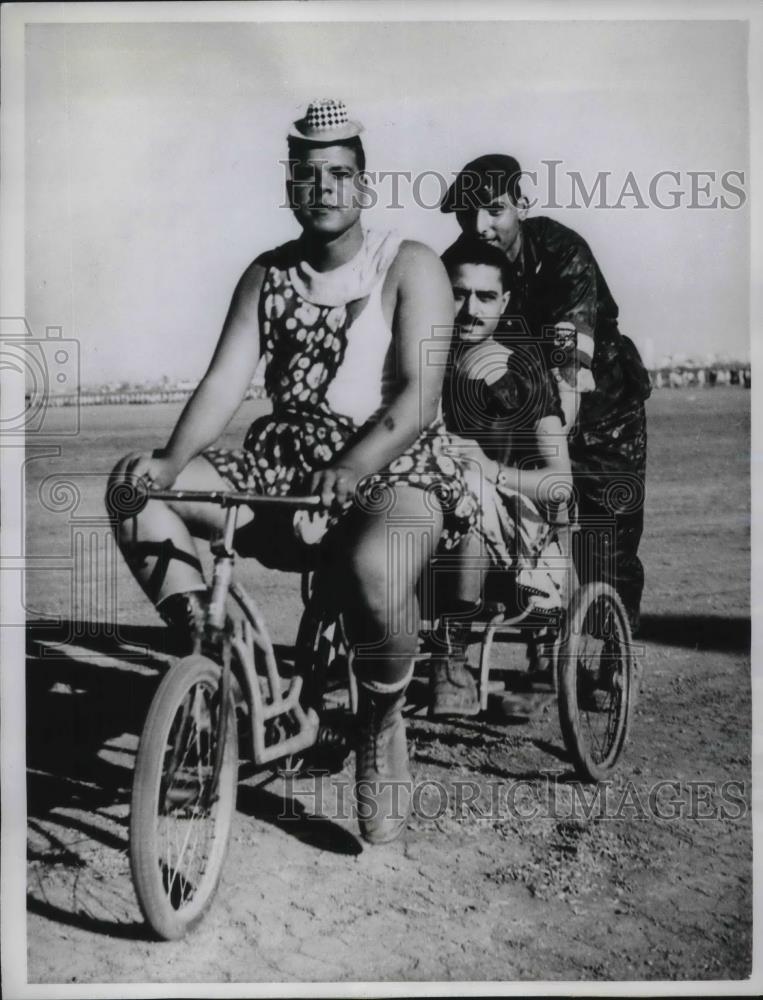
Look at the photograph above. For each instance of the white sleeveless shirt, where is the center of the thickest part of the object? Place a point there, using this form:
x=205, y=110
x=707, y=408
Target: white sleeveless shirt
x=364, y=380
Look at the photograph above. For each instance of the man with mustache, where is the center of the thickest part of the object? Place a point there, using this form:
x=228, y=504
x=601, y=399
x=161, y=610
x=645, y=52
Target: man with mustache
x=505, y=414
x=560, y=299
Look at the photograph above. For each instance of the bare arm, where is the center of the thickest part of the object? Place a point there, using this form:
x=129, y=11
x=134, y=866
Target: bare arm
x=424, y=301
x=550, y=484
x=224, y=385
x=218, y=395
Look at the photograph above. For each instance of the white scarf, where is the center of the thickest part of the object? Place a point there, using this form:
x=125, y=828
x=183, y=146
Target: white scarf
x=353, y=280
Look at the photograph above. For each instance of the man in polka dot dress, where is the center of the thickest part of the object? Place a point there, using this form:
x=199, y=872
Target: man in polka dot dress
x=337, y=309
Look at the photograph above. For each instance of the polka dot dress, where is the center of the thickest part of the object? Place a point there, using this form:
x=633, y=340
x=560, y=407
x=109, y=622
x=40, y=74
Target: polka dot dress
x=304, y=345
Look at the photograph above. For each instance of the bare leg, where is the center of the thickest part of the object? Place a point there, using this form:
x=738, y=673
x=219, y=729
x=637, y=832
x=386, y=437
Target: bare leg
x=386, y=555
x=453, y=690
x=157, y=543
x=471, y=560
x=473, y=563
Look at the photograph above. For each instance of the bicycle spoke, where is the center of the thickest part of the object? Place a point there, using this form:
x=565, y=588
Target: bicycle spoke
x=600, y=687
x=185, y=822
x=594, y=680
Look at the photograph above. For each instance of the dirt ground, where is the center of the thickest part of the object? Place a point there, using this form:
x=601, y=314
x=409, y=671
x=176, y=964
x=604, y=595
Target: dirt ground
x=522, y=883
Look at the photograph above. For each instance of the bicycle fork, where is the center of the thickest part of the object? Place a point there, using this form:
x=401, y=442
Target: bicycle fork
x=252, y=646
x=224, y=554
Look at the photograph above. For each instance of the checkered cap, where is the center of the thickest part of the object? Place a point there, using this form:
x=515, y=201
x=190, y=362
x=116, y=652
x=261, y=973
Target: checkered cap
x=326, y=113
x=326, y=119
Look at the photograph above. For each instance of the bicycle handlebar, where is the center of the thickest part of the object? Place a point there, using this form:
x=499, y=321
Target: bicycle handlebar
x=232, y=498
x=129, y=499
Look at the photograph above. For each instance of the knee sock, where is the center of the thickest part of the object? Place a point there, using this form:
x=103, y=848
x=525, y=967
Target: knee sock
x=395, y=686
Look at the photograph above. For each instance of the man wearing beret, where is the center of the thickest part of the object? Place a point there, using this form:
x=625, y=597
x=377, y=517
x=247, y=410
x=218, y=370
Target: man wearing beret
x=559, y=298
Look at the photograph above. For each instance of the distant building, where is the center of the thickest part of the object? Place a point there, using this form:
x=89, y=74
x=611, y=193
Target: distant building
x=682, y=373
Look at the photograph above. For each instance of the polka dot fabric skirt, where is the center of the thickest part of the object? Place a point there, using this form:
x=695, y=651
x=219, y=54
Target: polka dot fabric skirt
x=281, y=453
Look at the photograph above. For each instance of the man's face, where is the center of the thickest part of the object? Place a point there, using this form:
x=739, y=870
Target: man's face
x=498, y=222
x=479, y=300
x=323, y=190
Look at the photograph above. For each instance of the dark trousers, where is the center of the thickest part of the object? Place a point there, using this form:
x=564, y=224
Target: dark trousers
x=609, y=468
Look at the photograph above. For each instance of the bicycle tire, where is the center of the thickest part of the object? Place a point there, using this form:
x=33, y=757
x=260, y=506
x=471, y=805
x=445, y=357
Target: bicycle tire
x=170, y=797
x=595, y=678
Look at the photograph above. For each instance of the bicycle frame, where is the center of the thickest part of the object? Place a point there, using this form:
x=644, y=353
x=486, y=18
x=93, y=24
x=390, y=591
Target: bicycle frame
x=515, y=628
x=253, y=647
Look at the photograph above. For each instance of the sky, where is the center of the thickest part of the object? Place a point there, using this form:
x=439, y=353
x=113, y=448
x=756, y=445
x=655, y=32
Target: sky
x=153, y=175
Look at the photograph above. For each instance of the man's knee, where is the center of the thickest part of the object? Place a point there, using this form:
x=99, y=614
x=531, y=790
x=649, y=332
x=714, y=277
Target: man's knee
x=382, y=577
x=368, y=582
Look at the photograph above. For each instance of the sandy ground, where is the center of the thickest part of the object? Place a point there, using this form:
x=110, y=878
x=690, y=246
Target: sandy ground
x=522, y=883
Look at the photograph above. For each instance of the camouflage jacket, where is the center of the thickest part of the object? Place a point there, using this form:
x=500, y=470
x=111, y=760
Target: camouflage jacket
x=556, y=280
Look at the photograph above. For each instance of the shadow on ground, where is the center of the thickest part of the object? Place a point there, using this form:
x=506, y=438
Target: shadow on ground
x=88, y=691
x=289, y=815
x=76, y=704
x=707, y=632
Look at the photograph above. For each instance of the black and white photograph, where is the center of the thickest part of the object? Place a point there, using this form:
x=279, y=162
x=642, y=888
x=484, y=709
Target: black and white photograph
x=377, y=488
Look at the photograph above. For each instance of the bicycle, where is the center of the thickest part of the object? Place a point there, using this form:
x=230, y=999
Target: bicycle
x=186, y=772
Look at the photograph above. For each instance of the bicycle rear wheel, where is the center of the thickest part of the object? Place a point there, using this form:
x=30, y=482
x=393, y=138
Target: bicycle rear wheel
x=180, y=815
x=595, y=680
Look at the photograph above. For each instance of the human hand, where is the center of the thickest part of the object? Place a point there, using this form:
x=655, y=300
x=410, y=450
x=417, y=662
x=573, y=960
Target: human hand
x=469, y=454
x=335, y=485
x=155, y=469
x=462, y=448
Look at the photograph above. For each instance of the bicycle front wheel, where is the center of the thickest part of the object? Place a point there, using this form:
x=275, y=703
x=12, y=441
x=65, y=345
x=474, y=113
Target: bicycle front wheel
x=181, y=811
